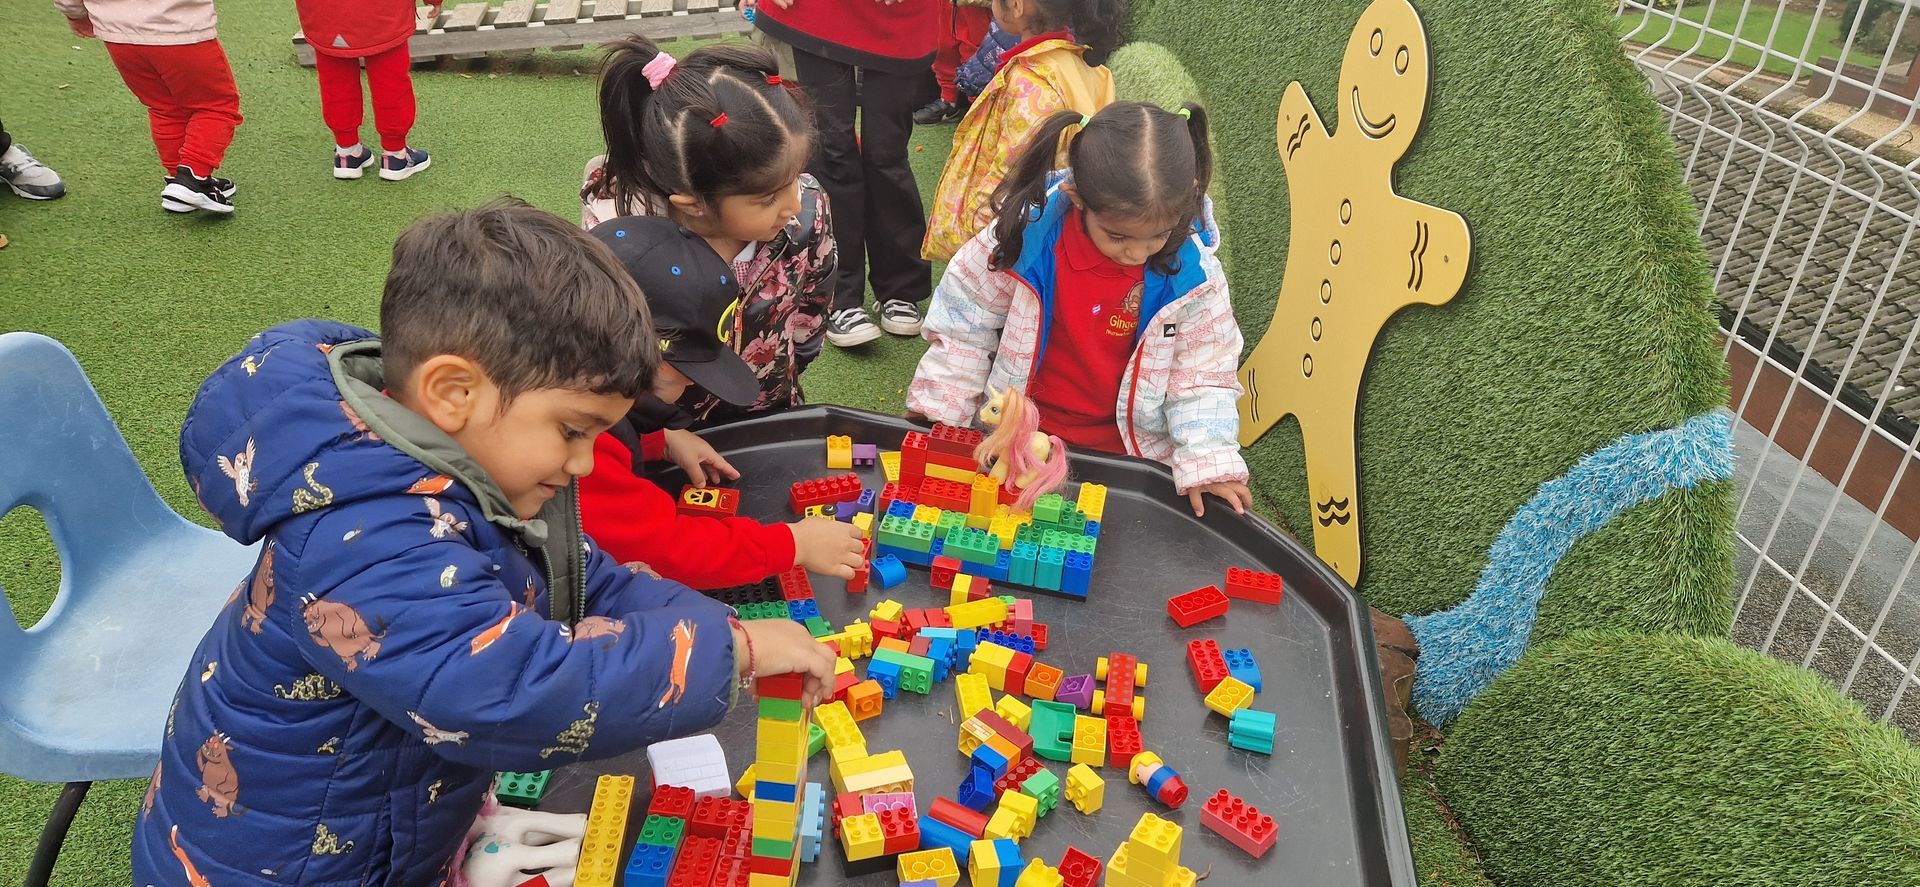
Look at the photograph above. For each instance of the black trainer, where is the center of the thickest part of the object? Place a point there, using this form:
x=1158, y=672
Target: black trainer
x=900, y=317
x=186, y=192
x=848, y=327
x=940, y=111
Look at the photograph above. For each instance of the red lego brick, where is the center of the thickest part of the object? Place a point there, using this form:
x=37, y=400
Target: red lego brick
x=847, y=804
x=708, y=501
x=946, y=495
x=1016, y=774
x=953, y=441
x=858, y=584
x=949, y=460
x=1208, y=665
x=1077, y=869
x=1020, y=616
x=738, y=843
x=913, y=457
x=1017, y=673
x=919, y=646
x=916, y=619
x=938, y=618
x=781, y=686
x=1039, y=636
x=694, y=864
x=671, y=800
x=901, y=830
x=1253, y=585
x=1197, y=606
x=887, y=628
x=795, y=584
x=1239, y=822
x=973, y=822
x=980, y=589
x=843, y=682
x=719, y=817
x=823, y=491
x=778, y=866
x=891, y=493
x=1123, y=740
x=943, y=569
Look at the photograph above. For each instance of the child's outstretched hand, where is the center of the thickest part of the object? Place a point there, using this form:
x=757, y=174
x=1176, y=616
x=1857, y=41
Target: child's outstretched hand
x=1235, y=492
x=827, y=547
x=783, y=646
x=698, y=459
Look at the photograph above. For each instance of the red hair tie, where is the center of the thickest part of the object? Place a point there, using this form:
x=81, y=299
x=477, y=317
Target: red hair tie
x=773, y=80
x=720, y=120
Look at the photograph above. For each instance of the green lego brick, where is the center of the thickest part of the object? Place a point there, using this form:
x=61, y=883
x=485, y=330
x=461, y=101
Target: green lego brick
x=764, y=610
x=782, y=709
x=818, y=626
x=949, y=520
x=1051, y=721
x=916, y=672
x=816, y=739
x=522, y=789
x=772, y=848
x=1046, y=509
x=662, y=831
x=1043, y=787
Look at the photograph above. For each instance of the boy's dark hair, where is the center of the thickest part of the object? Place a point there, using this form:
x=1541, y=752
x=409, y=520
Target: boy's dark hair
x=723, y=123
x=1095, y=24
x=532, y=299
x=1132, y=160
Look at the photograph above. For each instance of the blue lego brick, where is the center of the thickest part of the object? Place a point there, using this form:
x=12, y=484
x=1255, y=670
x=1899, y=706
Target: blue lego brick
x=803, y=609
x=784, y=792
x=888, y=571
x=1019, y=643
x=976, y=791
x=904, y=555
x=1001, y=569
x=1241, y=665
x=900, y=508
x=1047, y=568
x=985, y=757
x=887, y=675
x=935, y=834
x=1010, y=861
x=649, y=866
x=939, y=546
x=1076, y=574
x=866, y=502
x=1092, y=530
x=963, y=647
x=941, y=652
x=1021, y=570
x=813, y=815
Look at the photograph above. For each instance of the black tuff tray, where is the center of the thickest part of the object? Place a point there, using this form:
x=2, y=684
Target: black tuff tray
x=1329, y=784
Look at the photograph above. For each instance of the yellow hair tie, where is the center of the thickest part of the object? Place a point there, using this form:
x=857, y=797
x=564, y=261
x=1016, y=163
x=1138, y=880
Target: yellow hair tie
x=1084, y=120
x=1185, y=113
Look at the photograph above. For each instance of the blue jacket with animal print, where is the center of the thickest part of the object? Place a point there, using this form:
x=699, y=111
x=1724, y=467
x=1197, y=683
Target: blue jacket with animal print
x=402, y=636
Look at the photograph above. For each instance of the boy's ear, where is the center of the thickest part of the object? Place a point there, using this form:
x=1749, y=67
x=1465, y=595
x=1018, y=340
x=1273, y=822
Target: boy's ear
x=687, y=203
x=450, y=391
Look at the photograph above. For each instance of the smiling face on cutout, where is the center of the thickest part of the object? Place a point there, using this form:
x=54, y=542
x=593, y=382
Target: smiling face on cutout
x=1384, y=77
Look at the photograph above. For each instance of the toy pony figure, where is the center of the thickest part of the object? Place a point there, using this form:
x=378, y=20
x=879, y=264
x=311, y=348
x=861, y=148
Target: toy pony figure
x=1015, y=448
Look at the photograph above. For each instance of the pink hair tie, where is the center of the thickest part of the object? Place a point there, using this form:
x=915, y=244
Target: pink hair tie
x=658, y=69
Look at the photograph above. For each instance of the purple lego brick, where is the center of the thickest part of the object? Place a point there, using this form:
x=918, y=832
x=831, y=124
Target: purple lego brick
x=1076, y=690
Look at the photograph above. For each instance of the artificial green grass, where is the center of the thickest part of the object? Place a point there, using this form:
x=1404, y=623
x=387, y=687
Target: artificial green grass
x=1609, y=758
x=1586, y=315
x=150, y=302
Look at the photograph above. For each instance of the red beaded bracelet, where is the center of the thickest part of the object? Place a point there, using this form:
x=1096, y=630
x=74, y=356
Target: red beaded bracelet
x=747, y=681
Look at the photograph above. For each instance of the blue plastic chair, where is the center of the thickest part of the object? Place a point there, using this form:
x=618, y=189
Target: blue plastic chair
x=87, y=688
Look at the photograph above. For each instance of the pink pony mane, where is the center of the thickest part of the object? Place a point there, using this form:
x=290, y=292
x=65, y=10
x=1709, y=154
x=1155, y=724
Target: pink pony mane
x=1019, y=421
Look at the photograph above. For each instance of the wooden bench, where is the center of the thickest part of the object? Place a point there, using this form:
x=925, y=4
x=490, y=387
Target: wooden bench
x=471, y=30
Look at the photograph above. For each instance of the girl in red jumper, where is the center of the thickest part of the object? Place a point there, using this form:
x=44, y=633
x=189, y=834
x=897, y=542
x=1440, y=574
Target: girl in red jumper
x=343, y=34
x=169, y=56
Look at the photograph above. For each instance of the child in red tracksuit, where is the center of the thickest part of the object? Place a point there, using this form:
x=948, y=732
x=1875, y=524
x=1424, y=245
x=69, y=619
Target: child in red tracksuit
x=170, y=57
x=690, y=291
x=343, y=34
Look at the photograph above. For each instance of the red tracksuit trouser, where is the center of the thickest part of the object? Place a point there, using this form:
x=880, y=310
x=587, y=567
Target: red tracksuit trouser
x=962, y=29
x=192, y=104
x=389, y=79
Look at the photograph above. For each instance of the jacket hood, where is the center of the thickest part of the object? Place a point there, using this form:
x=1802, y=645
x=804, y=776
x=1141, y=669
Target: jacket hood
x=1036, y=266
x=296, y=422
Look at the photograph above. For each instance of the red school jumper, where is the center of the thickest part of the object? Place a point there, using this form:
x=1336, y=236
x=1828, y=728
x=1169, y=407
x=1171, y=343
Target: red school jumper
x=1096, y=308
x=342, y=33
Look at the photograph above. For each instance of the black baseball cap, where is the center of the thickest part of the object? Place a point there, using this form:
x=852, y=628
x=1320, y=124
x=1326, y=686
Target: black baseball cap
x=693, y=297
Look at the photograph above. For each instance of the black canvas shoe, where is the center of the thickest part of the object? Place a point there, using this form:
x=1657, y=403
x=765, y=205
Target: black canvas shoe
x=940, y=111
x=848, y=327
x=900, y=317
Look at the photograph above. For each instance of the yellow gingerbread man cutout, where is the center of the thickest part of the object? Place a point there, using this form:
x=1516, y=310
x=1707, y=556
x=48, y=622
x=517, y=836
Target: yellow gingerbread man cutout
x=1357, y=254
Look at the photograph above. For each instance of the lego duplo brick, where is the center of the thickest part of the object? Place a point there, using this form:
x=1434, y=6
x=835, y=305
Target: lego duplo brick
x=1253, y=585
x=1240, y=664
x=1208, y=665
x=1197, y=606
x=1239, y=822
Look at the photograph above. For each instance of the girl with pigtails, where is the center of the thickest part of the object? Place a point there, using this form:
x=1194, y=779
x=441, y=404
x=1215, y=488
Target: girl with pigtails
x=1096, y=295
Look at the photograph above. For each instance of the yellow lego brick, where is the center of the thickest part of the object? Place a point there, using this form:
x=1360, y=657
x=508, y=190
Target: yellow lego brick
x=1155, y=842
x=977, y=614
x=936, y=865
x=962, y=583
x=775, y=828
x=781, y=742
x=602, y=844
x=839, y=724
x=983, y=863
x=839, y=451
x=1004, y=528
x=1229, y=696
x=1092, y=501
x=1039, y=874
x=863, y=521
x=1085, y=789
x=890, y=466
x=884, y=772
x=855, y=640
x=992, y=654
x=763, y=879
x=1017, y=713
x=1003, y=824
x=747, y=778
x=1023, y=811
x=861, y=836
x=828, y=511
x=777, y=771
x=838, y=758
x=972, y=693
x=985, y=498
x=1089, y=741
x=1124, y=871
x=974, y=734
x=842, y=665
x=889, y=609
x=948, y=472
x=926, y=514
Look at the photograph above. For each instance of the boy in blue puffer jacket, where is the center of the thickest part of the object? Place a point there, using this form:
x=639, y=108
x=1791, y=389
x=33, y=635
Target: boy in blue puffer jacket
x=425, y=609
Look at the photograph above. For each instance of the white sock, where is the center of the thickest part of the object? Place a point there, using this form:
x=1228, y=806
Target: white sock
x=349, y=152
